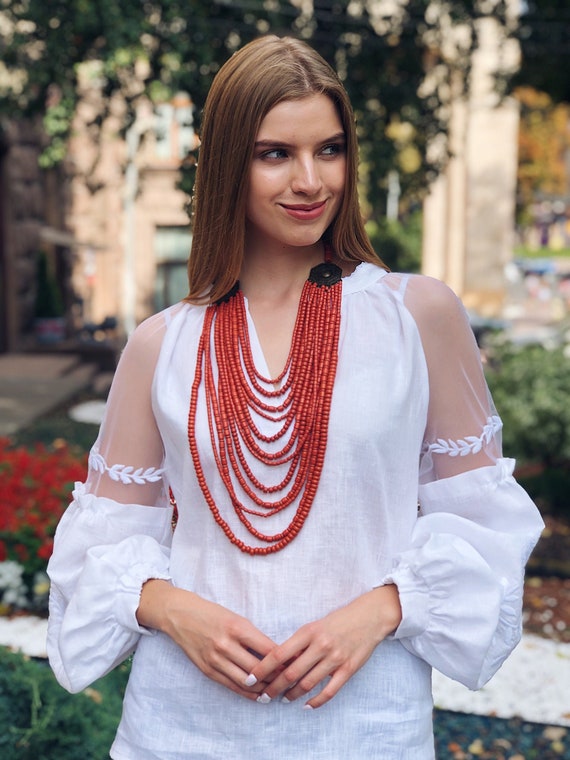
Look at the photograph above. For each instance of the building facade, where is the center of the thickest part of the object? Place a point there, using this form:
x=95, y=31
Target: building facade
x=114, y=225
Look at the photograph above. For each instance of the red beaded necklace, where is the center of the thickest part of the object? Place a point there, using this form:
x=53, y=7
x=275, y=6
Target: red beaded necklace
x=297, y=402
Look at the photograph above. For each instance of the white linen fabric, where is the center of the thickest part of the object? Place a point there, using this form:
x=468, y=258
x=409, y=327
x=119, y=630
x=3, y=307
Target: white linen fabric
x=411, y=424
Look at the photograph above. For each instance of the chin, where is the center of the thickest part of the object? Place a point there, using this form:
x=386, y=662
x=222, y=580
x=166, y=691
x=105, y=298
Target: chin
x=307, y=240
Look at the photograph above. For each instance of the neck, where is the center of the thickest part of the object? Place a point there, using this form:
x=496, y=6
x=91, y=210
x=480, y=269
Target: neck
x=279, y=272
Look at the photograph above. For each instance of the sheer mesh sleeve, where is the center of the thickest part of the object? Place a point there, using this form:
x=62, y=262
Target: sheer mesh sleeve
x=116, y=533
x=125, y=464
x=461, y=578
x=463, y=431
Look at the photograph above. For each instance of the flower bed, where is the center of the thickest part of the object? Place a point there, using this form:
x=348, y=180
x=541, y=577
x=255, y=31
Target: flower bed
x=35, y=488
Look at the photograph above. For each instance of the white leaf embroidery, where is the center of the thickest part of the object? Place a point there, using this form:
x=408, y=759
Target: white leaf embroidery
x=123, y=473
x=471, y=444
x=96, y=461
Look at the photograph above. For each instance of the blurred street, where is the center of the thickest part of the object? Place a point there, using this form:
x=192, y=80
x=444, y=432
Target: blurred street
x=33, y=384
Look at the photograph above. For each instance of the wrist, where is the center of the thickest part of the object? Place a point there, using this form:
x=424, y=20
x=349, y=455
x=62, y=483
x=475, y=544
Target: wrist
x=389, y=608
x=152, y=609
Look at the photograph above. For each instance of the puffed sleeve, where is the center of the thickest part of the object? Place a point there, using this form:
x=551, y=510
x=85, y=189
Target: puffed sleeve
x=116, y=533
x=460, y=580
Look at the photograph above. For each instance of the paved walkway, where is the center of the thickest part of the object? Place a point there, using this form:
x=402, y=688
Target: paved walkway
x=33, y=384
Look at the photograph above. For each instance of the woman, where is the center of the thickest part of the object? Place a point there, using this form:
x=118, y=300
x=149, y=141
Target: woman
x=298, y=406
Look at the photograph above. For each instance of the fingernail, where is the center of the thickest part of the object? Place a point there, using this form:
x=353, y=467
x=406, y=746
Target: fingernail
x=307, y=707
x=264, y=699
x=251, y=680
x=285, y=701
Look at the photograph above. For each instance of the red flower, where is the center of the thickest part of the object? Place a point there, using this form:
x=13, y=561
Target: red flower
x=35, y=488
x=45, y=550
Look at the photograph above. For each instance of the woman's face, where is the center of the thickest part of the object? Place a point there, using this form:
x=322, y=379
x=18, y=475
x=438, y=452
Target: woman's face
x=297, y=175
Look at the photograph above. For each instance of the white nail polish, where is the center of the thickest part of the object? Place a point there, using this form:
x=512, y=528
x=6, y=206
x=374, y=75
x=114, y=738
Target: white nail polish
x=251, y=680
x=285, y=701
x=307, y=707
x=264, y=699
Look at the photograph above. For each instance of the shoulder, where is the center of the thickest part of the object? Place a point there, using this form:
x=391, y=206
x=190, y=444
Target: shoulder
x=431, y=293
x=145, y=342
x=433, y=303
x=441, y=319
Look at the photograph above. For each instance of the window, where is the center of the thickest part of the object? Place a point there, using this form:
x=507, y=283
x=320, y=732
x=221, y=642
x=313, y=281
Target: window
x=174, y=128
x=172, y=248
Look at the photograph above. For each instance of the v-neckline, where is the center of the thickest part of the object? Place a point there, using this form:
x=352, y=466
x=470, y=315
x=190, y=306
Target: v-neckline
x=259, y=360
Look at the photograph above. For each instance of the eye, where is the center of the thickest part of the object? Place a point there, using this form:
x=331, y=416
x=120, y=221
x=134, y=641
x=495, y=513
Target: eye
x=334, y=149
x=275, y=154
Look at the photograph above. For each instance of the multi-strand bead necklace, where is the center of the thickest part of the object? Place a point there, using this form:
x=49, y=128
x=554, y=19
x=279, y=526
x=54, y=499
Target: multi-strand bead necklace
x=297, y=402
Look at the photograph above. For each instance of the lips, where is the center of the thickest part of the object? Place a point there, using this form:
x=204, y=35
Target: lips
x=305, y=212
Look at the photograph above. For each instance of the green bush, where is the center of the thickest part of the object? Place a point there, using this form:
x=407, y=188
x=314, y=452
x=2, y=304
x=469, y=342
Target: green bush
x=530, y=387
x=550, y=490
x=40, y=721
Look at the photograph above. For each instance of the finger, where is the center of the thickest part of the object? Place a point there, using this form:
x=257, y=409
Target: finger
x=245, y=659
x=278, y=658
x=222, y=679
x=235, y=662
x=237, y=675
x=297, y=672
x=257, y=644
x=306, y=683
x=331, y=689
x=238, y=659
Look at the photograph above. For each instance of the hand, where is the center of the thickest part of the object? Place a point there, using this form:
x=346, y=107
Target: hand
x=220, y=643
x=336, y=646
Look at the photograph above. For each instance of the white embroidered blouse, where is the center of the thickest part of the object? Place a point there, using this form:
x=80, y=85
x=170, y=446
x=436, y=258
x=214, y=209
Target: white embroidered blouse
x=411, y=422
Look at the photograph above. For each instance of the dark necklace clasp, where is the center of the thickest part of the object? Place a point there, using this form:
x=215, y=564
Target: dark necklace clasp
x=325, y=274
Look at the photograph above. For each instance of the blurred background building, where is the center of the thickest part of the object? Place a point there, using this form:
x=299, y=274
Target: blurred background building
x=94, y=189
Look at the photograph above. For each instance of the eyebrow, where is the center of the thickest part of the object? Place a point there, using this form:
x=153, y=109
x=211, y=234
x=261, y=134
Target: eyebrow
x=339, y=136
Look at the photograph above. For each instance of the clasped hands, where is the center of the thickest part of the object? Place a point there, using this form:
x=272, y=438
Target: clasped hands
x=232, y=651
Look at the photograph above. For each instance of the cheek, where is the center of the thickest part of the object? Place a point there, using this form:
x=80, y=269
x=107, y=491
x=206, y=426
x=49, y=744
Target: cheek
x=255, y=194
x=336, y=177
x=337, y=204
x=253, y=189
x=259, y=194
x=264, y=182
x=337, y=181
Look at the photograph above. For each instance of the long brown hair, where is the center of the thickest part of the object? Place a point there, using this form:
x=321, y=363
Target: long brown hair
x=262, y=74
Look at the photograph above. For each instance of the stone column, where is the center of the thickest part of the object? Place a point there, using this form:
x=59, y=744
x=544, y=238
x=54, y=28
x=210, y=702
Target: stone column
x=469, y=214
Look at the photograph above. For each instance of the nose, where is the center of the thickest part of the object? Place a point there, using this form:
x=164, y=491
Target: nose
x=306, y=178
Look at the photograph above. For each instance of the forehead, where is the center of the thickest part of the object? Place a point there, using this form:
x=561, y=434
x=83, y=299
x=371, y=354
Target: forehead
x=291, y=120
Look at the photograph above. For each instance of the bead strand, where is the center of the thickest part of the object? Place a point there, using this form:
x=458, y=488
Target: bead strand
x=301, y=396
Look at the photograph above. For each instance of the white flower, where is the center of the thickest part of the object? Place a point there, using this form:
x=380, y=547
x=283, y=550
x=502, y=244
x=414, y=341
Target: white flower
x=12, y=586
x=10, y=574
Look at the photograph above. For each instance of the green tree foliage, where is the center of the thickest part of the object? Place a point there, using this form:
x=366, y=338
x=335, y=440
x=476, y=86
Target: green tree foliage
x=398, y=242
x=544, y=149
x=156, y=47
